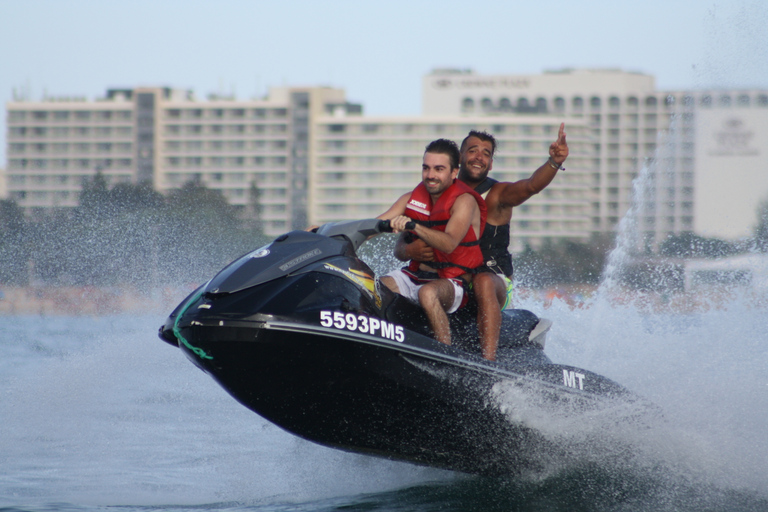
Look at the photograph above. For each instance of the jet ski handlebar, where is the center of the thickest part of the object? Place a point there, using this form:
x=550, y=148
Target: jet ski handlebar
x=385, y=226
x=358, y=231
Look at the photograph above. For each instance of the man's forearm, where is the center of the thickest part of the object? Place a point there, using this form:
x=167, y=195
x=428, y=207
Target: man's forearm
x=437, y=239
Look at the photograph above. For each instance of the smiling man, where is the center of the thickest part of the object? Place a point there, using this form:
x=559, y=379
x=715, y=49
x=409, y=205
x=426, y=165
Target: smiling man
x=492, y=287
x=450, y=217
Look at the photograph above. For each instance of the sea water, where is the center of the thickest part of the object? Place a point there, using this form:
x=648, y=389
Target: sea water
x=97, y=412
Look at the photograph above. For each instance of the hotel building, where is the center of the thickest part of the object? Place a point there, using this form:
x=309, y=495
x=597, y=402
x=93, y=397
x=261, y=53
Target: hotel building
x=307, y=156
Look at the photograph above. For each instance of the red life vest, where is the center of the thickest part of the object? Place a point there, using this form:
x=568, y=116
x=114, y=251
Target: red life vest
x=467, y=255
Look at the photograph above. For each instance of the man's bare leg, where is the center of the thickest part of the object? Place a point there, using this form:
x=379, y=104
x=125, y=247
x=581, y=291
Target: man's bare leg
x=390, y=283
x=490, y=294
x=436, y=297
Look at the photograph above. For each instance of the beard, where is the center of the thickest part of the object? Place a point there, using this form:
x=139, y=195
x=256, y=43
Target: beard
x=467, y=176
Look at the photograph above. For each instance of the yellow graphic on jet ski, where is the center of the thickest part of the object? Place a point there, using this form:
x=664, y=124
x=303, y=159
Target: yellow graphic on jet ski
x=360, y=278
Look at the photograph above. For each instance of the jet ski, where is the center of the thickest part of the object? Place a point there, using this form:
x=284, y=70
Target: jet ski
x=301, y=332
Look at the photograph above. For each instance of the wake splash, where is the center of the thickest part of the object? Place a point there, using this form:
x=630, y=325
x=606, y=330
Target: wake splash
x=706, y=371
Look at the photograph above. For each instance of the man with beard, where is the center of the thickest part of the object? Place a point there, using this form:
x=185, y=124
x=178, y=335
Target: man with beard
x=449, y=219
x=492, y=286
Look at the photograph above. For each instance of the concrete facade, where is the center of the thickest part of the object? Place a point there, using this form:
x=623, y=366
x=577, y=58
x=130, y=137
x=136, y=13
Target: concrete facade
x=305, y=155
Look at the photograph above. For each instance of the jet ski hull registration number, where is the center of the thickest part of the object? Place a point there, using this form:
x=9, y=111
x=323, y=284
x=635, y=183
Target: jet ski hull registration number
x=363, y=324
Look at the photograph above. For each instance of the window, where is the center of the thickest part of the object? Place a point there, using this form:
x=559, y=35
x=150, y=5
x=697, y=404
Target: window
x=438, y=129
x=467, y=104
x=523, y=105
x=16, y=115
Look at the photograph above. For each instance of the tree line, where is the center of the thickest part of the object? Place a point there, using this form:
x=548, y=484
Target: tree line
x=132, y=234
x=127, y=234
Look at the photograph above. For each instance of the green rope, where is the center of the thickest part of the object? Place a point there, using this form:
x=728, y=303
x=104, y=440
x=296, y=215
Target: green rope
x=177, y=332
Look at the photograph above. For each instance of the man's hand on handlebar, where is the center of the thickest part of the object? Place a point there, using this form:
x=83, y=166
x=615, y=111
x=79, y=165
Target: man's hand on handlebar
x=401, y=223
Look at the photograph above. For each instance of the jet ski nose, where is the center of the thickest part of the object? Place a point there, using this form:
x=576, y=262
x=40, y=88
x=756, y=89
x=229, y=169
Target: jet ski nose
x=167, y=336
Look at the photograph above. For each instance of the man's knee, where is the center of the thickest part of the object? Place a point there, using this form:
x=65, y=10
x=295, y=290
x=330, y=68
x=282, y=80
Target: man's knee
x=428, y=294
x=487, y=286
x=436, y=293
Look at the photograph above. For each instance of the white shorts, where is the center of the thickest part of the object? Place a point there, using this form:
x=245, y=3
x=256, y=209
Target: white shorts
x=410, y=289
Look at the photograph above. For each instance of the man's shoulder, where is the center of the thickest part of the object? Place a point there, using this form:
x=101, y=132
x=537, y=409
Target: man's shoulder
x=485, y=185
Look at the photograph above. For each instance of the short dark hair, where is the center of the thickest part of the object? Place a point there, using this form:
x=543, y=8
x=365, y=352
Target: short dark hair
x=445, y=147
x=484, y=136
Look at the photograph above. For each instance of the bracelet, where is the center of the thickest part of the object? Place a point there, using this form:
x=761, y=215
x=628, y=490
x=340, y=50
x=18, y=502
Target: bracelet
x=555, y=165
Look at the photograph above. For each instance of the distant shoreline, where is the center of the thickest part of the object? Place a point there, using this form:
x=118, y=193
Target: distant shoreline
x=88, y=300
x=114, y=300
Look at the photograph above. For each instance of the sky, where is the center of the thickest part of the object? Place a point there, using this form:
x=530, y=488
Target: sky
x=377, y=51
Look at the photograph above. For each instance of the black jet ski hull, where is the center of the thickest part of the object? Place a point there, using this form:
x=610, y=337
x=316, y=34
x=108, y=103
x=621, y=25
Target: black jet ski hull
x=302, y=333
x=378, y=397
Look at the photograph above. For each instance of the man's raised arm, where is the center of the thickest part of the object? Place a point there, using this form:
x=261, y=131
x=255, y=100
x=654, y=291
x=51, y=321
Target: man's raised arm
x=515, y=194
